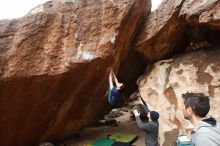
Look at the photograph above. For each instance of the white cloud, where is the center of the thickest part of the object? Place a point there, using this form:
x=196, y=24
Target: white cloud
x=155, y=4
x=17, y=8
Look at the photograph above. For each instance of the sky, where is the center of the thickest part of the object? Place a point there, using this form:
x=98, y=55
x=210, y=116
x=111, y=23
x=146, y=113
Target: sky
x=18, y=8
x=155, y=4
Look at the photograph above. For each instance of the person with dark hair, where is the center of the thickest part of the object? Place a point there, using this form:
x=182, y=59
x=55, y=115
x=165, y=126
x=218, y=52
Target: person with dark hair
x=151, y=128
x=115, y=91
x=195, y=107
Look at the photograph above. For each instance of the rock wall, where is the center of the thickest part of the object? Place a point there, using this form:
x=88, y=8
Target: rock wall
x=189, y=27
x=174, y=25
x=205, y=12
x=163, y=32
x=53, y=63
x=167, y=80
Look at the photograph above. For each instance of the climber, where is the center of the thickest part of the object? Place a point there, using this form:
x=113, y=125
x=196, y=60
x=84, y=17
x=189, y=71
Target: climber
x=150, y=128
x=115, y=92
x=195, y=107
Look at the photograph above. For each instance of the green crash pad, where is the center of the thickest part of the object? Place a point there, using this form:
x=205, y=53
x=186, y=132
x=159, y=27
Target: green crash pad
x=120, y=137
x=102, y=142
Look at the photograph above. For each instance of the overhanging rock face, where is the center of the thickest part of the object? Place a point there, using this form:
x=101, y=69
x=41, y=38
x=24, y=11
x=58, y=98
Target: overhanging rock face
x=163, y=32
x=53, y=65
x=205, y=12
x=167, y=29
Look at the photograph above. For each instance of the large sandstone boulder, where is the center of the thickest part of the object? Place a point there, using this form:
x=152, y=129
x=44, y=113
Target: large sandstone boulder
x=53, y=62
x=167, y=80
x=202, y=12
x=175, y=25
x=163, y=32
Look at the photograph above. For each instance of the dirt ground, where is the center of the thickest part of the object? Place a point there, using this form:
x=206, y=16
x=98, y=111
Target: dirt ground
x=124, y=125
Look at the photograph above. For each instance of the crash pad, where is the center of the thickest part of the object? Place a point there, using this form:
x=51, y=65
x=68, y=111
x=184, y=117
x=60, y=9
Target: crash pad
x=121, y=144
x=102, y=142
x=121, y=137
